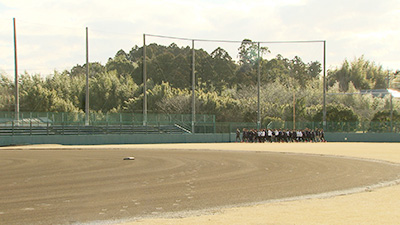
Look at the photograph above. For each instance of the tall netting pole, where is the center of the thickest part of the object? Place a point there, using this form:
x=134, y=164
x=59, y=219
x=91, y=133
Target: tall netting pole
x=16, y=74
x=391, y=105
x=294, y=110
x=193, y=89
x=144, y=82
x=258, y=88
x=324, y=89
x=391, y=113
x=87, y=80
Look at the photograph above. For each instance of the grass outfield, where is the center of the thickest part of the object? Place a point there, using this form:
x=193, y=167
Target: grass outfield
x=46, y=185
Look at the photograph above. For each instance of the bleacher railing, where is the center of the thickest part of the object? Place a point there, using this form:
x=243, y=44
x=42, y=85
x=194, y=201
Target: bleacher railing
x=111, y=118
x=48, y=123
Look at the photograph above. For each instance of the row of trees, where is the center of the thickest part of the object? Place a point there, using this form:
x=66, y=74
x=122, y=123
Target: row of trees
x=225, y=87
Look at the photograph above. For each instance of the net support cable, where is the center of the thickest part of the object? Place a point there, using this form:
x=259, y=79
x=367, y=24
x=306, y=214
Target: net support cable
x=231, y=41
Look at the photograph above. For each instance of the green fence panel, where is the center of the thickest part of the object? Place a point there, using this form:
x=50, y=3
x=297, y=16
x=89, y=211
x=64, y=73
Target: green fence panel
x=204, y=123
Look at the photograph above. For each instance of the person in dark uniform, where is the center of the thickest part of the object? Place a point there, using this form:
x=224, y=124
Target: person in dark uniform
x=317, y=136
x=322, y=135
x=238, y=135
x=245, y=135
x=312, y=136
x=293, y=135
x=253, y=135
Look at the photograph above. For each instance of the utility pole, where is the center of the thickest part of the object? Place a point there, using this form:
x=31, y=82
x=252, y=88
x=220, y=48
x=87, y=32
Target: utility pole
x=391, y=104
x=87, y=80
x=144, y=82
x=294, y=110
x=391, y=112
x=258, y=88
x=193, y=89
x=324, y=92
x=16, y=75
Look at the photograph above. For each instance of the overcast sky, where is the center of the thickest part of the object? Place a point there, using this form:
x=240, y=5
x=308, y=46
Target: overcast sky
x=51, y=33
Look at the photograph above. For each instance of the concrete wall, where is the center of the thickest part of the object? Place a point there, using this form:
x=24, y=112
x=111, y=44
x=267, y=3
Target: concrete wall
x=362, y=137
x=115, y=139
x=174, y=138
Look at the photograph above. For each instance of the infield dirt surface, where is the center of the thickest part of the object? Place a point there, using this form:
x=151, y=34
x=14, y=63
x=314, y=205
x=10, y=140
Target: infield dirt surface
x=231, y=183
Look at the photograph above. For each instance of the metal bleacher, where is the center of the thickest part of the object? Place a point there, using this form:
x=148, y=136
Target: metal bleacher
x=74, y=123
x=89, y=130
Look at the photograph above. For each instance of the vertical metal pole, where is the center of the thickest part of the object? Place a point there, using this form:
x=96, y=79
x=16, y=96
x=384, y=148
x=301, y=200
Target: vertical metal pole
x=391, y=105
x=87, y=80
x=16, y=75
x=324, y=87
x=144, y=82
x=258, y=88
x=215, y=125
x=391, y=112
x=294, y=110
x=193, y=89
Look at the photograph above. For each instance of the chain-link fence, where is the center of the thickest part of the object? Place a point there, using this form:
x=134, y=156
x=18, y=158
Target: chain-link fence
x=361, y=127
x=31, y=123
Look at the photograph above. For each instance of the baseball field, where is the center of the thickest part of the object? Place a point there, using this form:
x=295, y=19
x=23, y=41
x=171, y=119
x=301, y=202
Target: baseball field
x=225, y=183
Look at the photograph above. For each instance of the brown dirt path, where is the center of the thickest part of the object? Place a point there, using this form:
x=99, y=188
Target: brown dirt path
x=378, y=206
x=46, y=185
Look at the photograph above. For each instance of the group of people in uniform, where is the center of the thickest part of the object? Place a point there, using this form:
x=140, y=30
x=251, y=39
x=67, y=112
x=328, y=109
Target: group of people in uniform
x=280, y=135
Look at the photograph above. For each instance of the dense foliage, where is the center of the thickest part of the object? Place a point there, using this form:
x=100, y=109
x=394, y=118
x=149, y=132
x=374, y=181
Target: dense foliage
x=224, y=87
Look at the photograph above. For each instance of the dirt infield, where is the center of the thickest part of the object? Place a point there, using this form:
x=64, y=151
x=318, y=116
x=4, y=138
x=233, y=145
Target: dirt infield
x=195, y=184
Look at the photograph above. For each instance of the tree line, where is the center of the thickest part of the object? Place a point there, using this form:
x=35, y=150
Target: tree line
x=225, y=87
